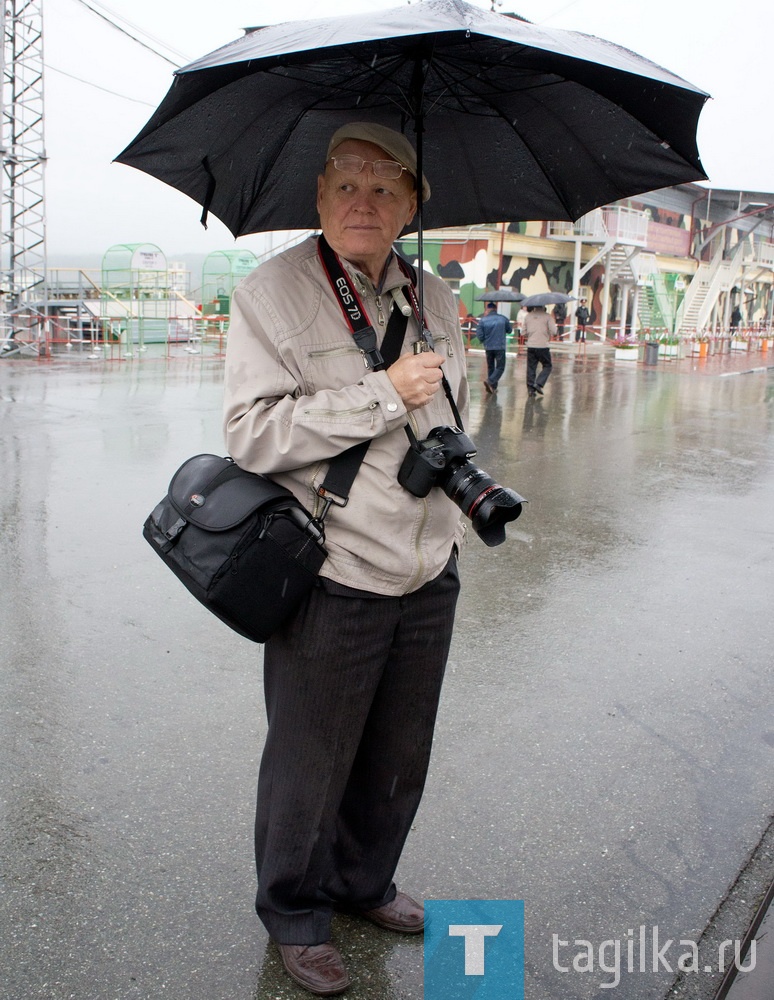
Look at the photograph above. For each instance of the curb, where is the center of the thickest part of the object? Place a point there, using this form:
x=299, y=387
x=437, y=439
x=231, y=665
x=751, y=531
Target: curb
x=737, y=916
x=748, y=371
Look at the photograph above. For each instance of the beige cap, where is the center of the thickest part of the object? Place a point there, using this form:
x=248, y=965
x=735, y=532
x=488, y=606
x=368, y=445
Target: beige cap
x=388, y=139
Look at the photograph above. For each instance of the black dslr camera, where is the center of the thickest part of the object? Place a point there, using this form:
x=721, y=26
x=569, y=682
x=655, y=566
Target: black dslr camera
x=443, y=459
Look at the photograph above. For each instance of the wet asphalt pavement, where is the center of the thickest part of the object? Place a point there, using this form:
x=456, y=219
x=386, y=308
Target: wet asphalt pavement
x=605, y=746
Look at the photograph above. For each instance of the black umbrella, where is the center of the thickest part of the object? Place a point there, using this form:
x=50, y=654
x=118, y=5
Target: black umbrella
x=546, y=299
x=511, y=120
x=501, y=295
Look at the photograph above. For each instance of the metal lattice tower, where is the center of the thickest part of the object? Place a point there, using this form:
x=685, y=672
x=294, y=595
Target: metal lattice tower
x=23, y=218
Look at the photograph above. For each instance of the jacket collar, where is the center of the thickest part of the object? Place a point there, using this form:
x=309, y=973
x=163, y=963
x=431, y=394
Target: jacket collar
x=392, y=276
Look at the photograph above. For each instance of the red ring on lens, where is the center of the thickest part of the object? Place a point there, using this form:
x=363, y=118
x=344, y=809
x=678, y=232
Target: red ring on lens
x=481, y=497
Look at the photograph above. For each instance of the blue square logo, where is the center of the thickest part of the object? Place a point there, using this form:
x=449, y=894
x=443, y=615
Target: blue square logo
x=474, y=949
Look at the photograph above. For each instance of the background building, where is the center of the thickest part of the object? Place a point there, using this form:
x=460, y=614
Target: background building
x=676, y=261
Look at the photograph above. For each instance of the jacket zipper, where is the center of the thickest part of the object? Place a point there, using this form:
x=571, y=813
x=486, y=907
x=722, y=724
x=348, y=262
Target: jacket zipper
x=353, y=411
x=417, y=550
x=367, y=289
x=449, y=348
x=332, y=353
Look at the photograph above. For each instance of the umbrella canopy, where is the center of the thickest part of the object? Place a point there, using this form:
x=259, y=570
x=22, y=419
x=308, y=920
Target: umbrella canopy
x=546, y=299
x=515, y=121
x=501, y=295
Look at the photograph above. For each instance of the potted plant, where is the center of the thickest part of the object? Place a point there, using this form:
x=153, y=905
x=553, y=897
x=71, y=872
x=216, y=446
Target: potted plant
x=739, y=341
x=668, y=346
x=626, y=349
x=700, y=345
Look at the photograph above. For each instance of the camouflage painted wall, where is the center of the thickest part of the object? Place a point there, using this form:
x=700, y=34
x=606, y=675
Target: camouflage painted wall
x=470, y=269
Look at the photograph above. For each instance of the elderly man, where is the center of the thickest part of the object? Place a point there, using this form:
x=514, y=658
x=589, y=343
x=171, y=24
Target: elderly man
x=352, y=682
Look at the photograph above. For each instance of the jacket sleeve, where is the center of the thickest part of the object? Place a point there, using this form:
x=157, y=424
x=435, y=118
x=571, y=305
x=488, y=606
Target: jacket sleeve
x=272, y=421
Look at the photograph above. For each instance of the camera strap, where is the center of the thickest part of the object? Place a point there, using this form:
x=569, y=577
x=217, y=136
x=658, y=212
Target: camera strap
x=343, y=468
x=354, y=311
x=427, y=337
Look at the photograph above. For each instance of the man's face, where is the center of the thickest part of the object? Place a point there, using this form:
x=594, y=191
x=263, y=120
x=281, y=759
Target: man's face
x=362, y=215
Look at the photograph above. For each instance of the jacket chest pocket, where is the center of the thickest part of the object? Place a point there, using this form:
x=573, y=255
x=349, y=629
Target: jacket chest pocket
x=333, y=366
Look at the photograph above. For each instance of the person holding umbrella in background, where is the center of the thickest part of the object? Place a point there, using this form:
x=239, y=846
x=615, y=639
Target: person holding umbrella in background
x=492, y=331
x=539, y=328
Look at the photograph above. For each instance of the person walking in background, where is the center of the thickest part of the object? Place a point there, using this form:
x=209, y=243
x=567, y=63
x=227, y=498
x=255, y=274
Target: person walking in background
x=581, y=319
x=736, y=318
x=560, y=315
x=539, y=328
x=492, y=330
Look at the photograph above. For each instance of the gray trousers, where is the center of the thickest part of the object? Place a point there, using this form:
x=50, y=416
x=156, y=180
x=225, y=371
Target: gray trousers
x=352, y=687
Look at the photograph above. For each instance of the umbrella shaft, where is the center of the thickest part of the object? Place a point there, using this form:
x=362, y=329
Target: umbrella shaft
x=420, y=128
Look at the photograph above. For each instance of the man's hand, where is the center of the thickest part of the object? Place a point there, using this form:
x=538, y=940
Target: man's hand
x=416, y=377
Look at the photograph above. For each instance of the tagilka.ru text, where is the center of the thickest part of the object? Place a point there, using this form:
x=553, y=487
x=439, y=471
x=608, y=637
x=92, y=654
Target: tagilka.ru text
x=644, y=951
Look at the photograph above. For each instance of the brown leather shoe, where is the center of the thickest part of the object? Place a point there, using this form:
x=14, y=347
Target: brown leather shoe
x=319, y=968
x=403, y=914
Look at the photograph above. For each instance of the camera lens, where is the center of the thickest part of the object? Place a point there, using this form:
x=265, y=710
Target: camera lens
x=488, y=505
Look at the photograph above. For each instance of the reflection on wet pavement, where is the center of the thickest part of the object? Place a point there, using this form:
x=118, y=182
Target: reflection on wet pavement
x=610, y=681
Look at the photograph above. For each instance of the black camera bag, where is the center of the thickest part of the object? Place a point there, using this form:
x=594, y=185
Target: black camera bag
x=242, y=545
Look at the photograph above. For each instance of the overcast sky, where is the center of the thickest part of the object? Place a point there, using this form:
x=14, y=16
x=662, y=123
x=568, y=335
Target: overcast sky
x=722, y=47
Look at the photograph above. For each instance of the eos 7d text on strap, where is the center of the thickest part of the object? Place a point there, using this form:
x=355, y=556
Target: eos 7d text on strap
x=351, y=305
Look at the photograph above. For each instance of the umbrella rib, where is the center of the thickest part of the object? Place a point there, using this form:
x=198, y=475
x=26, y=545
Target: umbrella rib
x=351, y=84
x=454, y=80
x=448, y=71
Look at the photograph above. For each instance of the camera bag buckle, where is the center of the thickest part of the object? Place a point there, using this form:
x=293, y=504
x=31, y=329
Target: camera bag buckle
x=365, y=339
x=328, y=498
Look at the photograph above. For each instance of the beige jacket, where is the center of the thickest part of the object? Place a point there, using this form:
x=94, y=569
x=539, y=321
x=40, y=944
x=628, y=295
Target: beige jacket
x=297, y=393
x=539, y=328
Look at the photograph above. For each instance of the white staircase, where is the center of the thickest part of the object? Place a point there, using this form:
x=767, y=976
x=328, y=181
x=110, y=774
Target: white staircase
x=706, y=286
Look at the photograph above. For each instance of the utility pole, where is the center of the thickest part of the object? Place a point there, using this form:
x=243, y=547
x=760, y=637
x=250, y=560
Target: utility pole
x=23, y=292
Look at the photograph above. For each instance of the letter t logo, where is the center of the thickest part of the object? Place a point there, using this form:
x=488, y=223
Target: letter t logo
x=474, y=935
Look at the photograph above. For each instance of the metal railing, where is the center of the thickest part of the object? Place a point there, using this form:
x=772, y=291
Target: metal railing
x=626, y=225
x=763, y=253
x=615, y=222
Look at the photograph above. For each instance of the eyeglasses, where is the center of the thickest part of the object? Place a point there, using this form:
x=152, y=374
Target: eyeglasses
x=389, y=170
